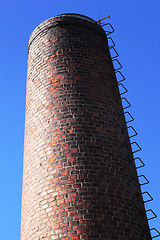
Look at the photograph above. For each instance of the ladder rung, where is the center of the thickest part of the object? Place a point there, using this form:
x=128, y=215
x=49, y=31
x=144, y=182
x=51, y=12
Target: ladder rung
x=150, y=210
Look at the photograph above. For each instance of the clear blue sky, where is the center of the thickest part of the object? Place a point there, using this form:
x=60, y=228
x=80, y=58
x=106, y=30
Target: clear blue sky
x=137, y=38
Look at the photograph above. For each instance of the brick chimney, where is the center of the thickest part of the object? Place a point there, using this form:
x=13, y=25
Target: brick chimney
x=79, y=176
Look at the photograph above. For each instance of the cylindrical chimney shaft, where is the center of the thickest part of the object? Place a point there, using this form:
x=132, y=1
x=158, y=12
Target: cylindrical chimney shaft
x=79, y=177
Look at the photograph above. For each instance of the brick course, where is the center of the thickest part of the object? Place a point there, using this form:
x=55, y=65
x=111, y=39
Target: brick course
x=79, y=177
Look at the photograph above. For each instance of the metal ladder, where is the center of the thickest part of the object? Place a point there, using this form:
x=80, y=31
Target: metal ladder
x=107, y=27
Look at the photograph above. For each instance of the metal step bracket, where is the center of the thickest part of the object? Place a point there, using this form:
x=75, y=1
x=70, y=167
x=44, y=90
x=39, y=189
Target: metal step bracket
x=138, y=159
x=119, y=76
x=116, y=64
x=136, y=145
x=122, y=89
x=154, y=229
x=128, y=117
x=111, y=43
x=113, y=53
x=152, y=216
x=107, y=27
x=147, y=194
x=131, y=129
x=144, y=180
x=124, y=102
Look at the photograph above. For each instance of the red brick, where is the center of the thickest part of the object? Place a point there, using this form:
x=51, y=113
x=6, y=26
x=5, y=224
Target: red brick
x=75, y=237
x=49, y=106
x=53, y=143
x=52, y=159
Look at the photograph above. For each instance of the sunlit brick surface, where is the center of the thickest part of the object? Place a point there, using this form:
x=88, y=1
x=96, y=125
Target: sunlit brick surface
x=79, y=178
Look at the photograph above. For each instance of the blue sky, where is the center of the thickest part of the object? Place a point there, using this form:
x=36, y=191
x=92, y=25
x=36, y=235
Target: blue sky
x=137, y=39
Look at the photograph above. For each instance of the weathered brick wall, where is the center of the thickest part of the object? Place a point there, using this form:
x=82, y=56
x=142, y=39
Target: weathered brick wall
x=79, y=178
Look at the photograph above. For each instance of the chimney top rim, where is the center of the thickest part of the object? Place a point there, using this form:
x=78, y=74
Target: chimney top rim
x=60, y=17
x=76, y=15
